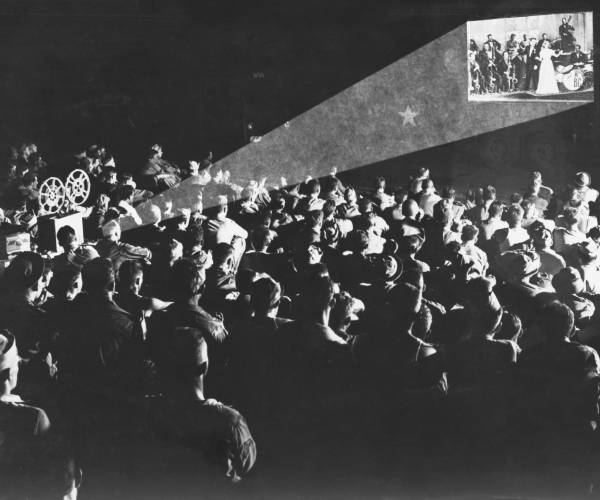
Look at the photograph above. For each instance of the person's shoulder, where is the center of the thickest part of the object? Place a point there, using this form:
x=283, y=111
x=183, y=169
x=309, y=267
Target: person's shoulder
x=31, y=416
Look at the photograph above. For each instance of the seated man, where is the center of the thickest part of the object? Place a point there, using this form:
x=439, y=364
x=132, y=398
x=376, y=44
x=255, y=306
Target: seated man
x=111, y=247
x=567, y=235
x=184, y=417
x=159, y=174
x=188, y=284
x=560, y=374
x=25, y=284
x=470, y=249
x=218, y=228
x=513, y=237
x=31, y=465
x=260, y=259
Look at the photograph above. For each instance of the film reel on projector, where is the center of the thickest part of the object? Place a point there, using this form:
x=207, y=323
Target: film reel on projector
x=52, y=195
x=78, y=187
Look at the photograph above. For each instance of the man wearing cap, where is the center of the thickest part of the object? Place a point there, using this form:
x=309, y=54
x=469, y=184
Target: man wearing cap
x=112, y=248
x=582, y=183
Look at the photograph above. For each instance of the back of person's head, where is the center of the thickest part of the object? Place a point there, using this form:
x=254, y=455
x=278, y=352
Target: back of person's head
x=442, y=213
x=313, y=187
x=469, y=233
x=328, y=208
x=222, y=254
x=25, y=271
x=514, y=215
x=448, y=193
x=489, y=193
x=379, y=182
x=516, y=198
x=187, y=279
x=124, y=192
x=359, y=241
x=67, y=238
x=66, y=282
x=194, y=237
x=410, y=245
x=486, y=321
x=496, y=209
x=568, y=281
x=218, y=208
x=557, y=321
x=98, y=276
x=131, y=275
x=511, y=327
x=321, y=295
x=184, y=361
x=410, y=208
x=405, y=301
x=265, y=296
x=261, y=238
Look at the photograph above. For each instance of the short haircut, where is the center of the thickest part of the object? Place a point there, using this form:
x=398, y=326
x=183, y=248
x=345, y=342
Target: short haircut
x=516, y=198
x=222, y=253
x=261, y=238
x=360, y=241
x=556, y=320
x=514, y=212
x=129, y=272
x=98, y=275
x=469, y=233
x=186, y=278
x=496, y=209
x=319, y=294
x=65, y=236
x=313, y=186
x=448, y=192
x=194, y=236
x=265, y=295
x=489, y=193
x=328, y=208
x=411, y=244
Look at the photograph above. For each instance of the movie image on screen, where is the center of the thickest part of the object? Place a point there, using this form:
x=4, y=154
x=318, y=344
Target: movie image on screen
x=538, y=57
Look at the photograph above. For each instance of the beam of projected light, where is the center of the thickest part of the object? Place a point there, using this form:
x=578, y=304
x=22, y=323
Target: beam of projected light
x=416, y=103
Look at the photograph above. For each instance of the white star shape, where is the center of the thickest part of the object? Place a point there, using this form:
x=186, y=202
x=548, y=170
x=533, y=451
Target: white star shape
x=408, y=116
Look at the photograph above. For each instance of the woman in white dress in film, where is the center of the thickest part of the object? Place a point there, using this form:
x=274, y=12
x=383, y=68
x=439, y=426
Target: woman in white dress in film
x=547, y=79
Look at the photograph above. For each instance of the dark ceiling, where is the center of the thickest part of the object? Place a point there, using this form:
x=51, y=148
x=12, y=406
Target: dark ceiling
x=193, y=74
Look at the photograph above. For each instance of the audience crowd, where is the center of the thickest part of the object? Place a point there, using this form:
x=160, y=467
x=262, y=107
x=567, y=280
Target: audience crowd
x=209, y=338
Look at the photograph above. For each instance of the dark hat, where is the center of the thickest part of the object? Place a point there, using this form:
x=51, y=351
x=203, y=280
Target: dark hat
x=568, y=281
x=25, y=269
x=582, y=179
x=519, y=263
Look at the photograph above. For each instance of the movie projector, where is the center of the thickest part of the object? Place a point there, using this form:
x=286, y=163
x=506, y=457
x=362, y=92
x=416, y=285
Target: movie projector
x=60, y=205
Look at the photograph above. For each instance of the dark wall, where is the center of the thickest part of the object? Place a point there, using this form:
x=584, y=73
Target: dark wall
x=193, y=75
